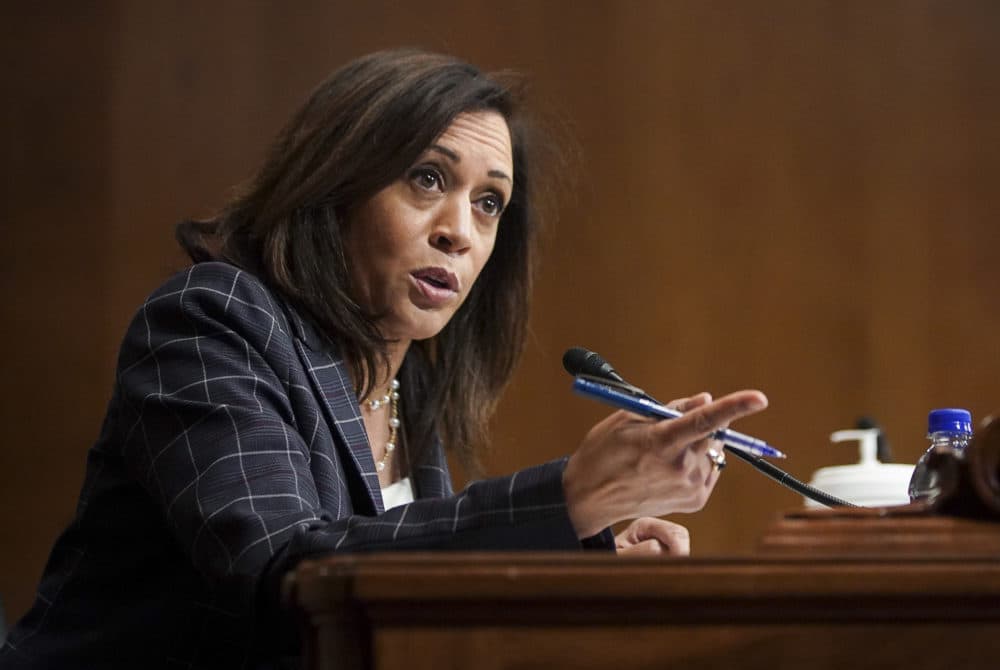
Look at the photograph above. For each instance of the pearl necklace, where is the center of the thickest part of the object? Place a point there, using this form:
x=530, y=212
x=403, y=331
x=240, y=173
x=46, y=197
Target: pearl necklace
x=391, y=398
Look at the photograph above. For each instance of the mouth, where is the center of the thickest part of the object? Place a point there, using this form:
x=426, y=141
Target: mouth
x=437, y=278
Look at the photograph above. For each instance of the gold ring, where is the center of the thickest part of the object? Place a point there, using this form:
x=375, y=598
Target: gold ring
x=718, y=459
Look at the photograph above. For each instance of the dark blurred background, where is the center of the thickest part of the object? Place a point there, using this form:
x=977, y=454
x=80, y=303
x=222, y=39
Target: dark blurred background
x=798, y=196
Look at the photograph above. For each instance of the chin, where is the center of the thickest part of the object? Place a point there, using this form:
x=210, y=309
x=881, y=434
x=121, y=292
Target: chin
x=427, y=333
x=423, y=327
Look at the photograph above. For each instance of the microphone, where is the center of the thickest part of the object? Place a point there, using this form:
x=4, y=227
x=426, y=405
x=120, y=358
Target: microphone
x=579, y=361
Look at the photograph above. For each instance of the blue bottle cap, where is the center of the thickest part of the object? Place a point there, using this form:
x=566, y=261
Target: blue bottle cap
x=955, y=420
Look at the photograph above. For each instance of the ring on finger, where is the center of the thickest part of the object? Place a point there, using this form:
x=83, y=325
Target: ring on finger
x=718, y=459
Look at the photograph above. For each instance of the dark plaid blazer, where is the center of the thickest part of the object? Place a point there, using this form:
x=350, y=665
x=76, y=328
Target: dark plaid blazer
x=232, y=449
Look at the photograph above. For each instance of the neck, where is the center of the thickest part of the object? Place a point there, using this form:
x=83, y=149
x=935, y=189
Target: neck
x=397, y=352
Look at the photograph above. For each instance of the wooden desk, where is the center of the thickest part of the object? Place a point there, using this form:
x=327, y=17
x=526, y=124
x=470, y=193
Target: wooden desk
x=584, y=610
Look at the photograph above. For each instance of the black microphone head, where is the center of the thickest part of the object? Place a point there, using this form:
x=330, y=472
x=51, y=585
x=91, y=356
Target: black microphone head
x=580, y=361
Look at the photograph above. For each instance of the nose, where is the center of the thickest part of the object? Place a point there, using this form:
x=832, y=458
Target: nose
x=451, y=231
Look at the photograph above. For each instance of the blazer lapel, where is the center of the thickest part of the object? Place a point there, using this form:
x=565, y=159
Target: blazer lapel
x=333, y=388
x=432, y=479
x=335, y=394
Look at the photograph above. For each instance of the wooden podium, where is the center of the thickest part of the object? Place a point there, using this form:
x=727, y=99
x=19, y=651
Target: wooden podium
x=823, y=593
x=915, y=587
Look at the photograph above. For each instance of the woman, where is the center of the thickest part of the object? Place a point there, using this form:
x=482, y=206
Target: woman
x=365, y=296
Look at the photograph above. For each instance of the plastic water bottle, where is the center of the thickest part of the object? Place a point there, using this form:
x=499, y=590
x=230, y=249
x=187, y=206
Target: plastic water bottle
x=947, y=429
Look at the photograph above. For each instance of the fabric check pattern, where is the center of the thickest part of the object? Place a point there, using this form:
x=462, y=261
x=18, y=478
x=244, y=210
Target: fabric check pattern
x=232, y=449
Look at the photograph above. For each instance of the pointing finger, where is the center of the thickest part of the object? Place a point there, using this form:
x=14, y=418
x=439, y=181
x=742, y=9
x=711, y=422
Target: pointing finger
x=700, y=422
x=688, y=404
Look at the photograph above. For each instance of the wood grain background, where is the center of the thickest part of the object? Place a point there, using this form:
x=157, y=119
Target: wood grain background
x=797, y=196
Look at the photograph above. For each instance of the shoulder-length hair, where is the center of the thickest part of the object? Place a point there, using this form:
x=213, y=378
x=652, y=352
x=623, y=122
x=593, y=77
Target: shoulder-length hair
x=360, y=130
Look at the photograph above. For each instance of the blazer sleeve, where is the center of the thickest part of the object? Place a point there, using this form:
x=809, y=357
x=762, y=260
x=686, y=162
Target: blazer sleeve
x=209, y=430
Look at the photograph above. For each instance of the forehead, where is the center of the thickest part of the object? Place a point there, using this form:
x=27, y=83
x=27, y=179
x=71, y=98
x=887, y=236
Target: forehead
x=482, y=136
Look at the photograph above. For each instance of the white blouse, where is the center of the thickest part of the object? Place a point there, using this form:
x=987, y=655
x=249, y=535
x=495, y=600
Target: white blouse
x=397, y=493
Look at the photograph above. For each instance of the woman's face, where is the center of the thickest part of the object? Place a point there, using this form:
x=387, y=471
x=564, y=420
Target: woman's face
x=416, y=247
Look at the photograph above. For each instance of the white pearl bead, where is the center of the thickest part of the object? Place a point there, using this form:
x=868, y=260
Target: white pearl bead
x=392, y=395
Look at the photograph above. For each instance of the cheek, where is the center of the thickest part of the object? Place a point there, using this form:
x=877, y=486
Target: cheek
x=354, y=257
x=382, y=250
x=369, y=266
x=486, y=251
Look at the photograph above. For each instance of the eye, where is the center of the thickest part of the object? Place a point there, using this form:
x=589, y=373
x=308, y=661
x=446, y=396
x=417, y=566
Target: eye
x=491, y=204
x=427, y=178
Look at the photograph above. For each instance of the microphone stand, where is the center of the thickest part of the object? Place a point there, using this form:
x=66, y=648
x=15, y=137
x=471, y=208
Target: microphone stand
x=788, y=481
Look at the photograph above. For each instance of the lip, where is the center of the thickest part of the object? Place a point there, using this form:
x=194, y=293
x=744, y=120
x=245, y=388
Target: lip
x=429, y=292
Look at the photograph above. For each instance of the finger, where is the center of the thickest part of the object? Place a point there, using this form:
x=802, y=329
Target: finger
x=687, y=404
x=699, y=423
x=673, y=536
x=644, y=548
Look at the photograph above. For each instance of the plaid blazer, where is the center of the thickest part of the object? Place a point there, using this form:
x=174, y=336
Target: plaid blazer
x=232, y=449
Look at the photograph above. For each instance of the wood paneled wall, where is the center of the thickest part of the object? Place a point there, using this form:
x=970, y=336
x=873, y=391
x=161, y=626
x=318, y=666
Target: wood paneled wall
x=797, y=196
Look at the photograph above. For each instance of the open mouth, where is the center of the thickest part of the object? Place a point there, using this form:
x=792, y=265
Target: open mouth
x=435, y=282
x=438, y=278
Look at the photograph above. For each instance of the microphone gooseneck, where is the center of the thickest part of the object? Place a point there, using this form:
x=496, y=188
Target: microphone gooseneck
x=579, y=361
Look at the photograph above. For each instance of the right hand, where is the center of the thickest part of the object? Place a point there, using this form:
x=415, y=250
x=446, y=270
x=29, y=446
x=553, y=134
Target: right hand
x=630, y=466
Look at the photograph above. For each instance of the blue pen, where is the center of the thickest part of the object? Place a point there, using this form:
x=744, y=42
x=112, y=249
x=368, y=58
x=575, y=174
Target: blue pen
x=623, y=400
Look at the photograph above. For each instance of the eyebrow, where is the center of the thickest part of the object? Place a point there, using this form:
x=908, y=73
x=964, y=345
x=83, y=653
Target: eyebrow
x=498, y=174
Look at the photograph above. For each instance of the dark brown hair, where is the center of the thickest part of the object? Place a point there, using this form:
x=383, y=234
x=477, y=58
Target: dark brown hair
x=360, y=130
